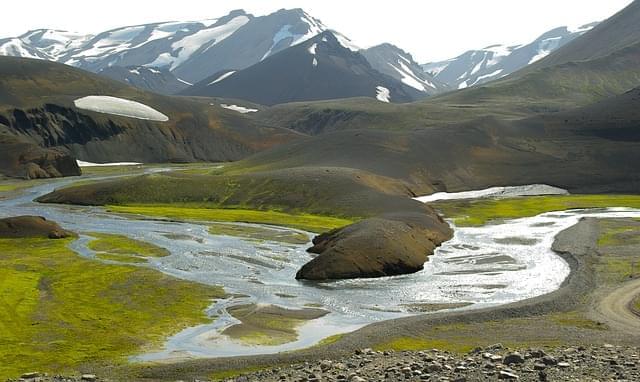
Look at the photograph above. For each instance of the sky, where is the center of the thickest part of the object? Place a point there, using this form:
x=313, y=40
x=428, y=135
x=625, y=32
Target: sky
x=431, y=30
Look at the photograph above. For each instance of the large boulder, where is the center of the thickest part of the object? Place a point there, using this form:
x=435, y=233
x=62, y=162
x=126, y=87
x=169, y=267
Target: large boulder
x=376, y=247
x=31, y=226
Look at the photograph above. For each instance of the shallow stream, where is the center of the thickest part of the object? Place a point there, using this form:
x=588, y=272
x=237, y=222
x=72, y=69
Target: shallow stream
x=480, y=267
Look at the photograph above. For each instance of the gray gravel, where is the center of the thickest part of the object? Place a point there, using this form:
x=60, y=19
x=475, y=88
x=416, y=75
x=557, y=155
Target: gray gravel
x=603, y=363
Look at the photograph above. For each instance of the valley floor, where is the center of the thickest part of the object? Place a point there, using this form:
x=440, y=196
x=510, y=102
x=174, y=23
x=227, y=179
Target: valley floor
x=591, y=310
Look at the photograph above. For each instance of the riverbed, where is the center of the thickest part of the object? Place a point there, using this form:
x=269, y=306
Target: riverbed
x=479, y=267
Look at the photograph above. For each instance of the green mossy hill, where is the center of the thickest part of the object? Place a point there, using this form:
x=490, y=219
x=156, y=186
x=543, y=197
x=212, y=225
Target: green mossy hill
x=337, y=192
x=62, y=312
x=31, y=226
x=307, y=222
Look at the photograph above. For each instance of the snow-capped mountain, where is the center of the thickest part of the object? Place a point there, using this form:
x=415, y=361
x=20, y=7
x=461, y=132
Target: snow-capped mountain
x=395, y=62
x=328, y=66
x=45, y=44
x=191, y=50
x=475, y=67
x=157, y=80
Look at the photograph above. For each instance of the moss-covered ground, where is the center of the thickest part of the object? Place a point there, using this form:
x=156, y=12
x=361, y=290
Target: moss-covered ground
x=124, y=249
x=307, y=222
x=480, y=212
x=61, y=312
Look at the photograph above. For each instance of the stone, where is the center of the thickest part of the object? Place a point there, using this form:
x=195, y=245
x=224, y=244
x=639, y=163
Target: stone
x=88, y=377
x=507, y=375
x=542, y=376
x=30, y=375
x=513, y=358
x=433, y=367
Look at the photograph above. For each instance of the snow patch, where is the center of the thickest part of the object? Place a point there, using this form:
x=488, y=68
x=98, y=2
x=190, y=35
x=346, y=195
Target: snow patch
x=345, y=42
x=204, y=39
x=492, y=74
x=581, y=29
x=113, y=42
x=239, y=109
x=382, y=94
x=435, y=68
x=91, y=164
x=498, y=53
x=312, y=48
x=119, y=106
x=184, y=82
x=315, y=62
x=314, y=28
x=221, y=78
x=545, y=47
x=495, y=192
x=15, y=47
x=409, y=78
x=478, y=66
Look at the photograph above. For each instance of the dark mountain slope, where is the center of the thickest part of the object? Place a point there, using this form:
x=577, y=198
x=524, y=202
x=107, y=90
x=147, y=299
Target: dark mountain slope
x=154, y=80
x=619, y=31
x=37, y=104
x=523, y=94
x=320, y=68
x=593, y=148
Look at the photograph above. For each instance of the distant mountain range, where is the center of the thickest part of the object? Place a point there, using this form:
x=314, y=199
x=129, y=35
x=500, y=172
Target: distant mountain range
x=191, y=50
x=169, y=57
x=476, y=67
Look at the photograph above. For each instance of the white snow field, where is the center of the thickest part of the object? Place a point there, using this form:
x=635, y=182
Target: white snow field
x=239, y=109
x=121, y=107
x=91, y=164
x=221, y=78
x=495, y=192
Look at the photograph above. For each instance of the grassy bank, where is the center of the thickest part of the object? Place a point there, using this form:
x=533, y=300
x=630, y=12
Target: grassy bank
x=307, y=222
x=480, y=212
x=61, y=312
